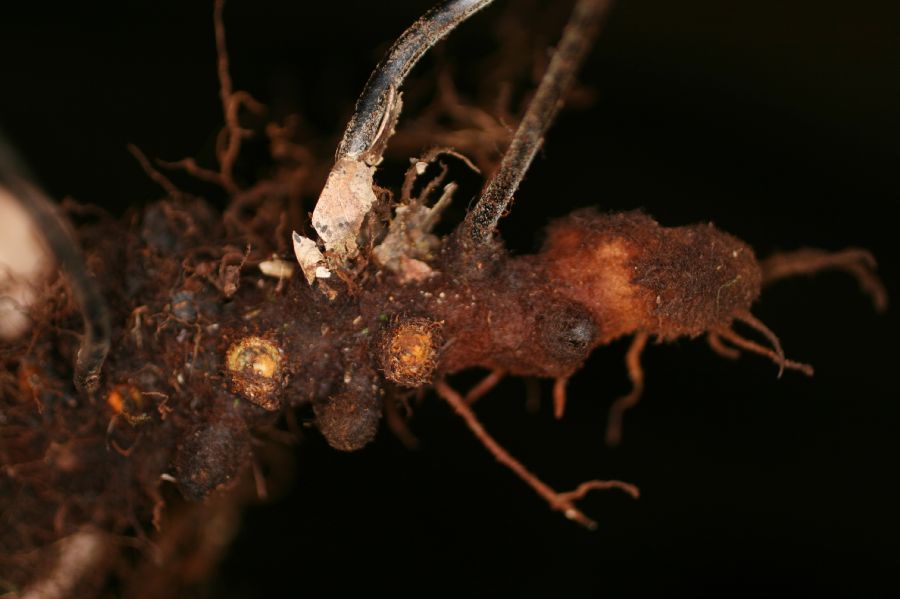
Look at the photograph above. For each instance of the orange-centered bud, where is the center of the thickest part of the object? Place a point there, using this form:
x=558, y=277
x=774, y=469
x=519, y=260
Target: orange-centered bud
x=409, y=351
x=254, y=371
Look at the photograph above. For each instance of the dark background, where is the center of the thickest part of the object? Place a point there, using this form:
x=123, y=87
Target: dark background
x=776, y=120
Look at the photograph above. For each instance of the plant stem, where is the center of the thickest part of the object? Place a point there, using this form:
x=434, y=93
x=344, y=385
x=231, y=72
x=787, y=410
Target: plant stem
x=375, y=103
x=578, y=37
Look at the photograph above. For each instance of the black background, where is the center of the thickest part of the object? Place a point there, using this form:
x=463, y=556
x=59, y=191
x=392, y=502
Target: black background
x=776, y=120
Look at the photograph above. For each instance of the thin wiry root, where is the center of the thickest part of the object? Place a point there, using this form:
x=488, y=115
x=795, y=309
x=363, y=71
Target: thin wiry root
x=636, y=374
x=776, y=355
x=190, y=166
x=156, y=176
x=562, y=502
x=484, y=386
x=228, y=143
x=857, y=262
x=601, y=485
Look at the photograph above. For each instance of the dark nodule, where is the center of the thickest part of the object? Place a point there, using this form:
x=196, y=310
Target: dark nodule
x=349, y=421
x=567, y=332
x=211, y=456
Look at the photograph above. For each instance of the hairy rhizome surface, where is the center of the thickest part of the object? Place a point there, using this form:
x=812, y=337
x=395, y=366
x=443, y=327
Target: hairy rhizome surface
x=231, y=339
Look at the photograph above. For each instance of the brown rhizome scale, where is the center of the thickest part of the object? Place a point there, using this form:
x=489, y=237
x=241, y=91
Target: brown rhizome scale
x=209, y=358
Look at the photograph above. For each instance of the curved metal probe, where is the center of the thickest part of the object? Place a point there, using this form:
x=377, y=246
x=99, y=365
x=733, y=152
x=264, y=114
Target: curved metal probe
x=58, y=236
x=375, y=104
x=577, y=39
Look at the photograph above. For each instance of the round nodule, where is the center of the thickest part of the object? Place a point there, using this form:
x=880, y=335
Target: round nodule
x=348, y=421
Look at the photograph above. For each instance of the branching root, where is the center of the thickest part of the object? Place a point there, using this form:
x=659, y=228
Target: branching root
x=563, y=502
x=857, y=262
x=776, y=353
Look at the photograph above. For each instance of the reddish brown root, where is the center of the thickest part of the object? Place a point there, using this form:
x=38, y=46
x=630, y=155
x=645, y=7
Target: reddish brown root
x=857, y=262
x=228, y=143
x=559, y=397
x=156, y=176
x=190, y=166
x=562, y=502
x=636, y=374
x=485, y=385
x=228, y=146
x=718, y=346
x=776, y=355
x=396, y=423
x=601, y=485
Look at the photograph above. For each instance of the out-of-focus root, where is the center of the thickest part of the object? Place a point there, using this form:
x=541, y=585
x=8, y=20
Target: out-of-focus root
x=396, y=421
x=190, y=166
x=857, y=262
x=562, y=502
x=601, y=485
x=156, y=176
x=58, y=235
x=578, y=36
